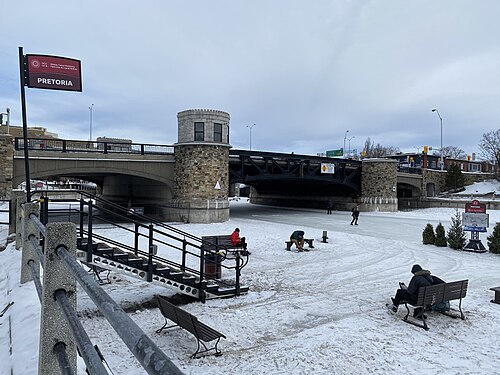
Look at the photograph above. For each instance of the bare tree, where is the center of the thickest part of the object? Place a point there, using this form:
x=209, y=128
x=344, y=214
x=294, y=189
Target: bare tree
x=490, y=146
x=377, y=151
x=454, y=152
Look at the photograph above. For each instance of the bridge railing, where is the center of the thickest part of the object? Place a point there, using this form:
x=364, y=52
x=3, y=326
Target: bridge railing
x=411, y=170
x=106, y=147
x=61, y=331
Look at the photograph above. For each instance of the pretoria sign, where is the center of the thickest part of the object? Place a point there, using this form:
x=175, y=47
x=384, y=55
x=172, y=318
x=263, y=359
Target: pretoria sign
x=53, y=73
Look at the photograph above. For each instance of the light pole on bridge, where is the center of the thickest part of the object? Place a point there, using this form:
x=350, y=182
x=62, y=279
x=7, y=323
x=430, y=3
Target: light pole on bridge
x=90, y=121
x=345, y=136
x=441, y=120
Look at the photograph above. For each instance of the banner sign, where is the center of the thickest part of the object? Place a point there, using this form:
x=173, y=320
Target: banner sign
x=53, y=73
x=333, y=153
x=327, y=168
x=474, y=222
x=475, y=207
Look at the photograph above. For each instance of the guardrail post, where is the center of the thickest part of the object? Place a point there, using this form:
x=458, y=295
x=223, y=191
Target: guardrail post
x=53, y=325
x=18, y=198
x=28, y=253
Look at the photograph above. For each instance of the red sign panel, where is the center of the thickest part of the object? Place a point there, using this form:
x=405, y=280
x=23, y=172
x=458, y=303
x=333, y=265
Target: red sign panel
x=54, y=73
x=475, y=207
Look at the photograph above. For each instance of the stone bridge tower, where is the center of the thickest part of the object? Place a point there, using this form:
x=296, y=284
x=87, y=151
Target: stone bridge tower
x=379, y=185
x=201, y=166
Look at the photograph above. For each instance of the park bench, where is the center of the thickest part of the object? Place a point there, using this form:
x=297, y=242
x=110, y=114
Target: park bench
x=222, y=242
x=202, y=332
x=309, y=242
x=434, y=294
x=496, y=299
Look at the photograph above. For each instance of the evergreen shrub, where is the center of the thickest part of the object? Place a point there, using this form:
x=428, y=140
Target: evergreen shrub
x=494, y=240
x=456, y=234
x=440, y=236
x=428, y=236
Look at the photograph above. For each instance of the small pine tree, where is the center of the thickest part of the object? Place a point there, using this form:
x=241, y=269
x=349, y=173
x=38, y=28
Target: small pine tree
x=454, y=179
x=494, y=240
x=440, y=236
x=456, y=233
x=428, y=237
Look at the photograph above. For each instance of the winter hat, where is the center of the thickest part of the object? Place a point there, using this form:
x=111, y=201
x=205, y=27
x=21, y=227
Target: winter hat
x=416, y=268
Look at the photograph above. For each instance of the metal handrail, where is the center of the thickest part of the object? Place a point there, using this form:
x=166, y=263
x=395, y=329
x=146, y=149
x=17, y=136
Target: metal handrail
x=82, y=340
x=154, y=361
x=144, y=349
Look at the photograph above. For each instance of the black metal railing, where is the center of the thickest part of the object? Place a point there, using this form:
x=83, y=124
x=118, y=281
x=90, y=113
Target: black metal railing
x=102, y=147
x=141, y=235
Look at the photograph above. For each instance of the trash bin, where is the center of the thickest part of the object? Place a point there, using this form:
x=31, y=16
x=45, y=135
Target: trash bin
x=213, y=268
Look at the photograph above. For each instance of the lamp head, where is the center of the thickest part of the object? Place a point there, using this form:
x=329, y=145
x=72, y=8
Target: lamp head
x=434, y=110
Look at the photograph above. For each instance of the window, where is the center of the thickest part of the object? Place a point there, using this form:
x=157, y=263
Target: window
x=474, y=167
x=217, y=132
x=199, y=131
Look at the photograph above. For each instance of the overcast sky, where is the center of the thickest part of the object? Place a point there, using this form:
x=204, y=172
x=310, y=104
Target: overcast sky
x=304, y=72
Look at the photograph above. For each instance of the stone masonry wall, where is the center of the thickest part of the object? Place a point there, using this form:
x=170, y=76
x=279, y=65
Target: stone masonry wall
x=378, y=185
x=198, y=169
x=186, y=120
x=6, y=165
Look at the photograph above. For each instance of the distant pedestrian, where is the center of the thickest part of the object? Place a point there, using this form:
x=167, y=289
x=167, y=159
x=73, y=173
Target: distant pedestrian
x=329, y=207
x=355, y=215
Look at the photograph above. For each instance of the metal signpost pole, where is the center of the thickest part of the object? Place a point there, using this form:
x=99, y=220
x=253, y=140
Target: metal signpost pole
x=25, y=124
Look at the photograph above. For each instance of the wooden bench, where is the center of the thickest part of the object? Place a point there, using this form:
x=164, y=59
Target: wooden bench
x=309, y=242
x=222, y=242
x=190, y=323
x=497, y=294
x=431, y=295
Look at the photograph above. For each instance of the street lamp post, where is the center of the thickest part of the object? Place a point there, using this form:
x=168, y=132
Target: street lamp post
x=345, y=136
x=441, y=121
x=90, y=121
x=349, y=139
x=250, y=127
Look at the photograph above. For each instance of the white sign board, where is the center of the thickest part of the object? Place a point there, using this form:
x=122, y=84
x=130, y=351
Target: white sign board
x=474, y=222
x=328, y=168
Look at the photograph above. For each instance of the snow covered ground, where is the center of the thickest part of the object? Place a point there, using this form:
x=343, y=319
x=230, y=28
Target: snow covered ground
x=319, y=312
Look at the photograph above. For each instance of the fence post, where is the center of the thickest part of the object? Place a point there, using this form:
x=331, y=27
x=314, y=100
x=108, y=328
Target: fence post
x=14, y=196
x=29, y=228
x=18, y=218
x=53, y=325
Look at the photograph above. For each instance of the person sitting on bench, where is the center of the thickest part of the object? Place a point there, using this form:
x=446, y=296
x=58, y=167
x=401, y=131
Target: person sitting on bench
x=421, y=278
x=297, y=238
x=237, y=241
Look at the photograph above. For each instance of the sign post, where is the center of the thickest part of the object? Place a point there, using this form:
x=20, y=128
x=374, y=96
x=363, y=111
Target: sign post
x=475, y=220
x=45, y=72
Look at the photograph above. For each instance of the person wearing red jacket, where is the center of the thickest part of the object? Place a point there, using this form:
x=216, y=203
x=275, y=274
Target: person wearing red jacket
x=237, y=241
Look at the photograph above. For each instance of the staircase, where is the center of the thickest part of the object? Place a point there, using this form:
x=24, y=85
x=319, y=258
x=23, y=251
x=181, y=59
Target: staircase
x=185, y=251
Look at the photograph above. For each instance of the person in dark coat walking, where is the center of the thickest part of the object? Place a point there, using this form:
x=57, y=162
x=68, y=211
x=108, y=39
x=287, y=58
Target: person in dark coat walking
x=421, y=278
x=329, y=207
x=355, y=215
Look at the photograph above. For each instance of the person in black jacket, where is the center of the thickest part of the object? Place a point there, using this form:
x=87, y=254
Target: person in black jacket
x=355, y=215
x=421, y=278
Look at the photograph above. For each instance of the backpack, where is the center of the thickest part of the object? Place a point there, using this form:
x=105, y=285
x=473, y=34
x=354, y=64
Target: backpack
x=442, y=306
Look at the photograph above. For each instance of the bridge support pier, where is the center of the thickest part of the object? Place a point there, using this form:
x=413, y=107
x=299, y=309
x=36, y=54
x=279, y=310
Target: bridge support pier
x=201, y=166
x=379, y=185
